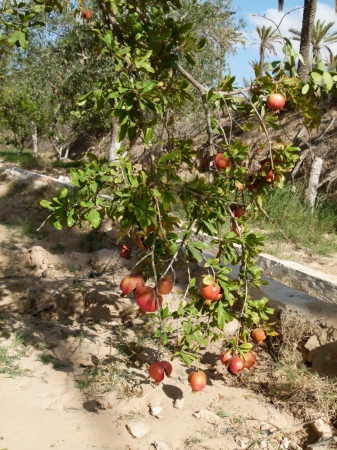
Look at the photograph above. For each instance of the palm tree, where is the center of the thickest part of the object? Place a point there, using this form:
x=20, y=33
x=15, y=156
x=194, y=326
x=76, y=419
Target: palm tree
x=320, y=38
x=268, y=36
x=309, y=13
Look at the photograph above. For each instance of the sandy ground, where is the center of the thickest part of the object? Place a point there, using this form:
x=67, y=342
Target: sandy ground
x=76, y=355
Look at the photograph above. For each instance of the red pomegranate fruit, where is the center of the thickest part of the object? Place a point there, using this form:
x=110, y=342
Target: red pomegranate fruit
x=225, y=357
x=197, y=380
x=258, y=335
x=164, y=286
x=236, y=365
x=156, y=372
x=222, y=162
x=146, y=299
x=250, y=360
x=86, y=15
x=167, y=368
x=131, y=282
x=275, y=101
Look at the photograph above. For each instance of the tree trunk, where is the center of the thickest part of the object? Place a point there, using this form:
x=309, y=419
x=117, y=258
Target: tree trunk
x=315, y=173
x=34, y=137
x=115, y=145
x=261, y=64
x=309, y=13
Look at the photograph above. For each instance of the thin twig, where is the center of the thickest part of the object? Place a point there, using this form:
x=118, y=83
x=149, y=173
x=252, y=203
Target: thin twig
x=157, y=295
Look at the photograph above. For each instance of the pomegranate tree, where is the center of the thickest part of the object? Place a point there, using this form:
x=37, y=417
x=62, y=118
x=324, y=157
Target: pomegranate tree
x=153, y=84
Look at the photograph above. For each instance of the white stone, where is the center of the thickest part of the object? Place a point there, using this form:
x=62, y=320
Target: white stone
x=312, y=343
x=285, y=443
x=178, y=403
x=263, y=444
x=321, y=428
x=207, y=416
x=155, y=410
x=231, y=327
x=137, y=429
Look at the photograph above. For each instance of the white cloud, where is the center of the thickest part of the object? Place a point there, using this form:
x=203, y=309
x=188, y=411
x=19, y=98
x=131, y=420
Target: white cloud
x=272, y=17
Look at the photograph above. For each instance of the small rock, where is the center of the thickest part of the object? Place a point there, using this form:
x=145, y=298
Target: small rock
x=263, y=444
x=264, y=426
x=312, y=343
x=208, y=416
x=231, y=327
x=161, y=446
x=155, y=410
x=230, y=430
x=27, y=354
x=285, y=443
x=241, y=442
x=321, y=428
x=137, y=429
x=178, y=403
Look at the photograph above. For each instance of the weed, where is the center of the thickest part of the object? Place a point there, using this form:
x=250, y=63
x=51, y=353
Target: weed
x=28, y=228
x=74, y=269
x=8, y=365
x=107, y=375
x=44, y=359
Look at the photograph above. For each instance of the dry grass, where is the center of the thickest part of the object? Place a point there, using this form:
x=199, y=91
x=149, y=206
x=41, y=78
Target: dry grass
x=290, y=384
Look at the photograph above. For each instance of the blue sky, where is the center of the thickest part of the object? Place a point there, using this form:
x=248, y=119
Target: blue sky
x=249, y=9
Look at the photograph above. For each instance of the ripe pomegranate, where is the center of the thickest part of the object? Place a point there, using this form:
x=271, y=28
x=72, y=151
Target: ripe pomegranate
x=269, y=176
x=275, y=101
x=210, y=292
x=167, y=368
x=252, y=186
x=131, y=282
x=125, y=252
x=225, y=357
x=250, y=360
x=236, y=365
x=156, y=372
x=164, y=286
x=140, y=242
x=197, y=380
x=238, y=230
x=222, y=162
x=86, y=15
x=146, y=299
x=258, y=335
x=237, y=211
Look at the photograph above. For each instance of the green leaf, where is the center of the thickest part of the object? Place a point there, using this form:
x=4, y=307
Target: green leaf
x=94, y=218
x=194, y=253
x=328, y=80
x=316, y=77
x=63, y=193
x=23, y=40
x=148, y=135
x=224, y=316
x=305, y=89
x=172, y=155
x=46, y=204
